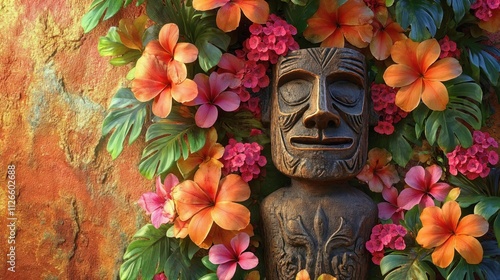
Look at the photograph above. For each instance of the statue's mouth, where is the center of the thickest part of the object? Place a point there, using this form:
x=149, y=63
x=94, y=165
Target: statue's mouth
x=324, y=143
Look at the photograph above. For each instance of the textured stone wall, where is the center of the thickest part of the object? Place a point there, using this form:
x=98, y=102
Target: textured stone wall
x=75, y=206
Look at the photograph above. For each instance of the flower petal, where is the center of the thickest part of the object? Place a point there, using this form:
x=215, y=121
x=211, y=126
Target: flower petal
x=405, y=52
x=473, y=225
x=427, y=53
x=451, y=214
x=248, y=260
x=219, y=254
x=185, y=91
x=150, y=201
x=205, y=5
x=435, y=95
x=230, y=215
x=162, y=104
x=399, y=75
x=359, y=35
x=200, y=225
x=386, y=210
x=409, y=197
x=185, y=52
x=233, y=188
x=415, y=178
x=150, y=79
x=208, y=177
x=255, y=10
x=380, y=46
x=228, y=101
x=228, y=17
x=226, y=271
x=206, y=115
x=318, y=29
x=408, y=97
x=335, y=40
x=444, y=69
x=177, y=71
x=443, y=255
x=190, y=199
x=439, y=191
x=240, y=243
x=469, y=248
x=168, y=37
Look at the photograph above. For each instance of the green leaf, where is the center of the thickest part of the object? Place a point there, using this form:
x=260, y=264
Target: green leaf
x=210, y=43
x=406, y=265
x=111, y=45
x=480, y=55
x=297, y=15
x=157, y=11
x=146, y=253
x=419, y=115
x=169, y=139
x=126, y=115
x=459, y=7
x=208, y=264
x=412, y=220
x=399, y=141
x=210, y=276
x=239, y=124
x=487, y=207
x=449, y=128
x=466, y=271
x=180, y=266
x=496, y=229
x=422, y=16
x=100, y=9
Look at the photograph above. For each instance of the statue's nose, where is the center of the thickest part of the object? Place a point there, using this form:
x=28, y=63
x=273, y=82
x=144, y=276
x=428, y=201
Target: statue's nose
x=321, y=119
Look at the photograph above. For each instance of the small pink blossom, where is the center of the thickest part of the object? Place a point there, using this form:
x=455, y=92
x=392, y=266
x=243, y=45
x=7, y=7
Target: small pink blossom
x=423, y=187
x=383, y=98
x=484, y=8
x=385, y=236
x=213, y=93
x=390, y=209
x=160, y=276
x=243, y=158
x=228, y=257
x=160, y=205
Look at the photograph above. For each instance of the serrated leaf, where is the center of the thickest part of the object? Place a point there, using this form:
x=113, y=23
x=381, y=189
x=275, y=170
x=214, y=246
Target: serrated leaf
x=487, y=207
x=460, y=7
x=111, y=45
x=147, y=252
x=169, y=139
x=422, y=16
x=210, y=43
x=449, y=128
x=126, y=116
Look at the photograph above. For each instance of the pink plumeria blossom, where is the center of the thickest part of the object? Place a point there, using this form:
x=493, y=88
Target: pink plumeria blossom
x=213, y=92
x=237, y=68
x=229, y=257
x=159, y=204
x=392, y=208
x=378, y=173
x=423, y=187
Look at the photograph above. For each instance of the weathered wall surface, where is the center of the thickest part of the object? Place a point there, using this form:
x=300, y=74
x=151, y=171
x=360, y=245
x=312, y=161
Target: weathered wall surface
x=75, y=206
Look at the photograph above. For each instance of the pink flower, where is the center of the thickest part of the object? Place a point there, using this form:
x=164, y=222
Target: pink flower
x=243, y=158
x=423, y=187
x=212, y=93
x=390, y=209
x=160, y=205
x=378, y=173
x=160, y=276
x=384, y=98
x=385, y=236
x=228, y=257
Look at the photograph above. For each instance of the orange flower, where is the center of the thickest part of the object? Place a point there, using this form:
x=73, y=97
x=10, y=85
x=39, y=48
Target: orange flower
x=332, y=23
x=229, y=14
x=384, y=36
x=208, y=199
x=152, y=81
x=443, y=230
x=175, y=54
x=211, y=152
x=419, y=74
x=378, y=173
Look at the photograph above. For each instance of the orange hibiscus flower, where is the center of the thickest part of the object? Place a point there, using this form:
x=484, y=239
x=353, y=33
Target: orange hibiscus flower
x=208, y=200
x=385, y=35
x=332, y=23
x=174, y=53
x=420, y=74
x=211, y=152
x=443, y=230
x=229, y=14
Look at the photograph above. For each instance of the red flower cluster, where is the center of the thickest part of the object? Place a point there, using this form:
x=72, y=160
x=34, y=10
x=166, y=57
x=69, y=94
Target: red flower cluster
x=384, y=98
x=244, y=158
x=252, y=105
x=448, y=48
x=269, y=42
x=484, y=8
x=473, y=161
x=385, y=236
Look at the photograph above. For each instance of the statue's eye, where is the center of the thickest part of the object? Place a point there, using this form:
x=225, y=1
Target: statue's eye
x=345, y=92
x=296, y=91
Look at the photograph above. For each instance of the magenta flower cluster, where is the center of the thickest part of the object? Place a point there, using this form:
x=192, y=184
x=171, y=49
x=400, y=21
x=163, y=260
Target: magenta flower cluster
x=484, y=8
x=270, y=41
x=385, y=236
x=448, y=48
x=473, y=161
x=384, y=104
x=243, y=158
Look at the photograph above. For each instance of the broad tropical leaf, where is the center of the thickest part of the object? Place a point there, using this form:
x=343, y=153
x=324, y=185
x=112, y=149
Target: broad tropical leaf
x=487, y=206
x=210, y=43
x=406, y=265
x=111, y=45
x=459, y=7
x=126, y=115
x=147, y=253
x=481, y=56
x=422, y=16
x=180, y=266
x=103, y=9
x=169, y=139
x=449, y=128
x=400, y=142
x=297, y=15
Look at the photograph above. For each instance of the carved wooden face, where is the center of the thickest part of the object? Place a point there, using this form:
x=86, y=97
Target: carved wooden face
x=319, y=114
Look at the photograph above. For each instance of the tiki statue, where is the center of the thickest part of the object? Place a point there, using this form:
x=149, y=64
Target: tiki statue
x=319, y=132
